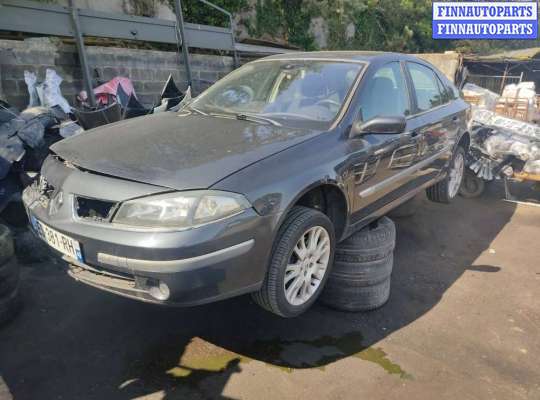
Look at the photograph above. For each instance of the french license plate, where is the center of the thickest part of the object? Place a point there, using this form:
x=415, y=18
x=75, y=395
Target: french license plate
x=58, y=241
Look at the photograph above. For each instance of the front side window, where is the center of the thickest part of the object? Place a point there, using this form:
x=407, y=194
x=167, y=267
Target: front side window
x=425, y=86
x=385, y=94
x=285, y=90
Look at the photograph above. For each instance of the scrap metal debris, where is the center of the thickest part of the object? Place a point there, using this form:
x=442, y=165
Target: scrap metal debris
x=503, y=146
x=92, y=118
x=25, y=136
x=171, y=96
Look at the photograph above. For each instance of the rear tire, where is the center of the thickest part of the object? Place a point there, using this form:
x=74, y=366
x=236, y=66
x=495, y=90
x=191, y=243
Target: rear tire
x=472, y=186
x=274, y=295
x=447, y=189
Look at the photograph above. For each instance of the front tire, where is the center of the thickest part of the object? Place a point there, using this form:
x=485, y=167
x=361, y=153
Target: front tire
x=300, y=263
x=447, y=189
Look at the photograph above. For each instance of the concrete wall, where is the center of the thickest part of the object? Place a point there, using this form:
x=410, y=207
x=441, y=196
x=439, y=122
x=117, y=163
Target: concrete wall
x=148, y=69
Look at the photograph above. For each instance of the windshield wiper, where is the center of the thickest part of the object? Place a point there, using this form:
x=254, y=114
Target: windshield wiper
x=256, y=118
x=190, y=107
x=293, y=115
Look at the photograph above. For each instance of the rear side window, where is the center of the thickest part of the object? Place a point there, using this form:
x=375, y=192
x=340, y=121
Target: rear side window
x=385, y=94
x=445, y=92
x=426, y=87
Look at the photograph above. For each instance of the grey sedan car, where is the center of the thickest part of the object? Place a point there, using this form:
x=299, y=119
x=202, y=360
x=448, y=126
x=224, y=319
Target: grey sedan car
x=248, y=188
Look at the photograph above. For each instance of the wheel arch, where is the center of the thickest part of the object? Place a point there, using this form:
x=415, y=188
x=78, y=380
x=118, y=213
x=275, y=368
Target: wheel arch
x=464, y=141
x=326, y=196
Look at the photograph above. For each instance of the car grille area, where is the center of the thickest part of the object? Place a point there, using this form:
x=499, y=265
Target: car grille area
x=93, y=209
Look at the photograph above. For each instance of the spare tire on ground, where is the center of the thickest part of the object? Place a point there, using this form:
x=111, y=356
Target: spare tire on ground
x=374, y=242
x=360, y=278
x=10, y=302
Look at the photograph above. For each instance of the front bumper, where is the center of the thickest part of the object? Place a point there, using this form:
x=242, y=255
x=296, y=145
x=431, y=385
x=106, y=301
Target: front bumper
x=180, y=277
x=190, y=267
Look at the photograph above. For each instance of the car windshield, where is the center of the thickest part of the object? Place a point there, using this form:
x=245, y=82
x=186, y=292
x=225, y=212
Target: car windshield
x=307, y=90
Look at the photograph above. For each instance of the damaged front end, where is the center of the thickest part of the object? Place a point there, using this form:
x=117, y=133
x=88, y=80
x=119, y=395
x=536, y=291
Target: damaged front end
x=79, y=214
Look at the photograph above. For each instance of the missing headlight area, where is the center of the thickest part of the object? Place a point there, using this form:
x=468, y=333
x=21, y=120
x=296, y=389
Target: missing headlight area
x=93, y=209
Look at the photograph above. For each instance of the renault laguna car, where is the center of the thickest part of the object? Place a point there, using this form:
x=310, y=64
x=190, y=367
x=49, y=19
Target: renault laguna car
x=248, y=187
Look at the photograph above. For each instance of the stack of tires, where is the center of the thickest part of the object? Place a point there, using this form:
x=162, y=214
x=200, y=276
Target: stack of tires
x=9, y=277
x=360, y=278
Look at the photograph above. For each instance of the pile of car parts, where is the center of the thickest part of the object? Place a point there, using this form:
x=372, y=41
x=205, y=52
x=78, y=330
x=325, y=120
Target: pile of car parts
x=24, y=143
x=10, y=301
x=500, y=148
x=360, y=278
x=116, y=101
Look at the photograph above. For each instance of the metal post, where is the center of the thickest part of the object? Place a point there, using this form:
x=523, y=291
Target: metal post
x=235, y=54
x=185, y=50
x=231, y=22
x=82, y=53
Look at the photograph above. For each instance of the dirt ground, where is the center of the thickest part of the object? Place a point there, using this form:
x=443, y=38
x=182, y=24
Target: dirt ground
x=462, y=322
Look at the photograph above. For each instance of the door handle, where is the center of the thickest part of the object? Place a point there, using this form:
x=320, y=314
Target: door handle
x=407, y=136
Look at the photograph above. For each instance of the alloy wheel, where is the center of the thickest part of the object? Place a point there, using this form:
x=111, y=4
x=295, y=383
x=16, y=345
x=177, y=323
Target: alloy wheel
x=307, y=265
x=456, y=175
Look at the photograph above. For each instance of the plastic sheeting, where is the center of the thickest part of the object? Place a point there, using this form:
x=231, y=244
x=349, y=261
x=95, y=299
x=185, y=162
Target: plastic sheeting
x=102, y=92
x=31, y=80
x=26, y=137
x=532, y=167
x=501, y=144
x=51, y=92
x=487, y=98
x=487, y=117
x=69, y=128
x=11, y=150
x=48, y=92
x=32, y=133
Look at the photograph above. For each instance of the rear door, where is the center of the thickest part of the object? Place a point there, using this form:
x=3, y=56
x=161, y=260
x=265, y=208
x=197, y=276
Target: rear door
x=436, y=125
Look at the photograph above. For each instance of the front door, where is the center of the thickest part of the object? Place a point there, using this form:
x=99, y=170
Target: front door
x=384, y=155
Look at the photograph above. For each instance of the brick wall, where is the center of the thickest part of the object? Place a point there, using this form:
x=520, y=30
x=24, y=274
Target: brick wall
x=148, y=69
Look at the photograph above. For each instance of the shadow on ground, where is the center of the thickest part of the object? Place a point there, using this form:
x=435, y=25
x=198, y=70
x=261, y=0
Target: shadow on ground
x=75, y=342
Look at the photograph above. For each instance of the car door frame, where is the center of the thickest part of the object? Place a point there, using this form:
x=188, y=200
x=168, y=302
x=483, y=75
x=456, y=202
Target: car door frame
x=360, y=207
x=433, y=156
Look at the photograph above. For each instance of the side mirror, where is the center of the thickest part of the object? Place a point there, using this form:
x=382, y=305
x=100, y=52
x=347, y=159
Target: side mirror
x=379, y=125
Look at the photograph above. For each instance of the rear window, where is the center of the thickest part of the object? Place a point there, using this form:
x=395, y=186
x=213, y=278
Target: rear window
x=426, y=87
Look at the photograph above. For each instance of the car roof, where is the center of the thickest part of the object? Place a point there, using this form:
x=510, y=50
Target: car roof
x=365, y=56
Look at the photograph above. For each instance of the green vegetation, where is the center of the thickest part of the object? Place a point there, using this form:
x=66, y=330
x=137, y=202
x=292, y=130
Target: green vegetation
x=199, y=13
x=390, y=25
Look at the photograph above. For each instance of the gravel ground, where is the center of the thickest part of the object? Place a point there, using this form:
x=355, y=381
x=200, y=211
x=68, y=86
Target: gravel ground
x=462, y=322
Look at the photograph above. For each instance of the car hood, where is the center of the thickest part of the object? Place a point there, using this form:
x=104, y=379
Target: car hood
x=175, y=150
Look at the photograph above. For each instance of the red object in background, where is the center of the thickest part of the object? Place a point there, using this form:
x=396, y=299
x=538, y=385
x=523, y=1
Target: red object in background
x=103, y=92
